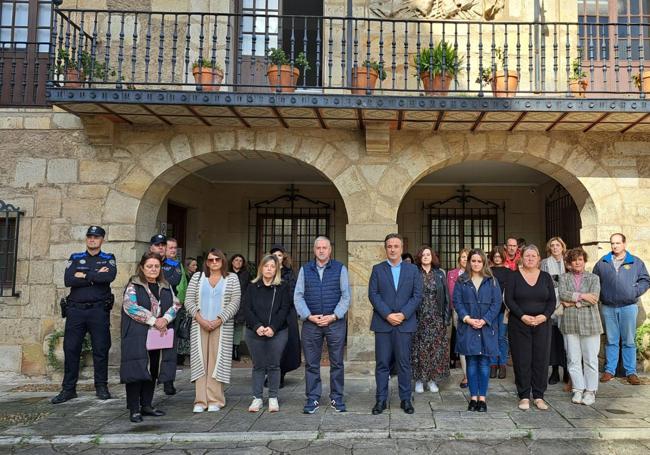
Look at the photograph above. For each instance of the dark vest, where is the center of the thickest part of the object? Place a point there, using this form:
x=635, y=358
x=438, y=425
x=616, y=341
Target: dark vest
x=134, y=363
x=322, y=296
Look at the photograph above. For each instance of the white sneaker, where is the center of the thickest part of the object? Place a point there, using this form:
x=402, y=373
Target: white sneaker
x=198, y=408
x=433, y=387
x=214, y=408
x=273, y=405
x=256, y=405
x=588, y=398
x=419, y=387
x=577, y=397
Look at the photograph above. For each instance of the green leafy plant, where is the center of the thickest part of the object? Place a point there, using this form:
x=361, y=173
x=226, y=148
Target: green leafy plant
x=641, y=332
x=379, y=67
x=84, y=62
x=86, y=346
x=205, y=63
x=486, y=76
x=278, y=57
x=443, y=57
x=577, y=73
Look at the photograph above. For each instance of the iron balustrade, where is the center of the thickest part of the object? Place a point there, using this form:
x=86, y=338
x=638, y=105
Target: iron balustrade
x=158, y=50
x=9, y=234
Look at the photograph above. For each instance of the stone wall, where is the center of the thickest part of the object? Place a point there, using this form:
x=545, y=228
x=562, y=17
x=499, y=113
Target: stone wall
x=67, y=174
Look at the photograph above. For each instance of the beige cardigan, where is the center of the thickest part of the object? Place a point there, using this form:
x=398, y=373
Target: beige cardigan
x=230, y=305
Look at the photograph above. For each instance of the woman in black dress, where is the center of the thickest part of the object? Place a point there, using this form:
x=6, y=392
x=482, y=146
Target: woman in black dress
x=501, y=273
x=237, y=265
x=530, y=296
x=292, y=357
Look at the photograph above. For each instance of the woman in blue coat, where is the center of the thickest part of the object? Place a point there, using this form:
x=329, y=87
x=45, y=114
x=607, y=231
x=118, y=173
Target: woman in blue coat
x=477, y=300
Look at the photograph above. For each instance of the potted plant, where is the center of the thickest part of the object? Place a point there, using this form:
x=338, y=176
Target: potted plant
x=364, y=77
x=77, y=68
x=578, y=80
x=642, y=81
x=207, y=75
x=503, y=85
x=437, y=67
x=280, y=72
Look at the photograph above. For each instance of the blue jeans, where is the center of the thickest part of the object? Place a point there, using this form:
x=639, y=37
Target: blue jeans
x=502, y=358
x=620, y=327
x=312, y=346
x=478, y=374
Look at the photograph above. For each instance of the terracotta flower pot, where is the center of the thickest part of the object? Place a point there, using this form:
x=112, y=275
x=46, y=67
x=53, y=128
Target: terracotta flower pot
x=206, y=78
x=578, y=87
x=283, y=76
x=499, y=87
x=364, y=80
x=73, y=78
x=436, y=86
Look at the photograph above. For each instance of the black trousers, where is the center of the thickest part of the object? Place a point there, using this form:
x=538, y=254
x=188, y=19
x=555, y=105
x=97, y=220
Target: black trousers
x=530, y=348
x=140, y=394
x=79, y=321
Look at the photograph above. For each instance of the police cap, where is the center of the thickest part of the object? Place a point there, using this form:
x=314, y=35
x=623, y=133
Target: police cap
x=158, y=239
x=95, y=231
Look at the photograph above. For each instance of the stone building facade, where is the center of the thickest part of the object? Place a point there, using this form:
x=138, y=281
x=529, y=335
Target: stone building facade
x=69, y=171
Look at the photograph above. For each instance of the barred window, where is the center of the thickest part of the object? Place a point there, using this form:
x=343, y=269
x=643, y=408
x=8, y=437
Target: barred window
x=9, y=228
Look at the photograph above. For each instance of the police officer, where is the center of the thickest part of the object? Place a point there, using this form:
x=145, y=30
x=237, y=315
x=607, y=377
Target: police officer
x=89, y=276
x=173, y=272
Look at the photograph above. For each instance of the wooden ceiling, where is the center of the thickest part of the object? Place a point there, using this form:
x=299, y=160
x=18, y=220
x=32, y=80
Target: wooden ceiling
x=357, y=118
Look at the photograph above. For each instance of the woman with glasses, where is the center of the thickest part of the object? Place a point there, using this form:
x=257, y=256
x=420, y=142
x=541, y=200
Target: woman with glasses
x=212, y=300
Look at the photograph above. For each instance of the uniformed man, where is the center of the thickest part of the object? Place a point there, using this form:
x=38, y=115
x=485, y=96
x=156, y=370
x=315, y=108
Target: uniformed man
x=173, y=272
x=89, y=276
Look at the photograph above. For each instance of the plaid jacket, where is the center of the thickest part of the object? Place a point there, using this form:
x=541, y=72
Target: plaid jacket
x=586, y=319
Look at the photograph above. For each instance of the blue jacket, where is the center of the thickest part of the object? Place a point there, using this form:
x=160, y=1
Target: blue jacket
x=322, y=296
x=624, y=287
x=484, y=304
x=386, y=300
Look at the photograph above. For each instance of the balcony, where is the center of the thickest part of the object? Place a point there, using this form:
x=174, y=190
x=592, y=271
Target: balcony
x=139, y=68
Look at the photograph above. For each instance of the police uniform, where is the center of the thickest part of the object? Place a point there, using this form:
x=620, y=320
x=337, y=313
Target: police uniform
x=88, y=311
x=173, y=272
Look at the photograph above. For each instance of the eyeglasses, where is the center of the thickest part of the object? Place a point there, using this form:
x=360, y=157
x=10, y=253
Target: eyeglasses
x=214, y=259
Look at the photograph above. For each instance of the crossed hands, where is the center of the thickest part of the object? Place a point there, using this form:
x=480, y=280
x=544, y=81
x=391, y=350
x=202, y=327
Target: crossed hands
x=533, y=320
x=161, y=325
x=474, y=323
x=265, y=331
x=395, y=319
x=208, y=326
x=322, y=320
x=83, y=274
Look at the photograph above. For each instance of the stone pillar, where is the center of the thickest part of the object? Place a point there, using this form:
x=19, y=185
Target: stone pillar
x=365, y=248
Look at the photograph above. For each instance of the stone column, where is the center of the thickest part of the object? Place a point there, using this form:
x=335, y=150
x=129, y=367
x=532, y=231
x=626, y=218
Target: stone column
x=365, y=248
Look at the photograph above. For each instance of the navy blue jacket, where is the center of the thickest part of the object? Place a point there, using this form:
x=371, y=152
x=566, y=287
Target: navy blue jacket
x=322, y=296
x=95, y=286
x=386, y=300
x=624, y=287
x=484, y=304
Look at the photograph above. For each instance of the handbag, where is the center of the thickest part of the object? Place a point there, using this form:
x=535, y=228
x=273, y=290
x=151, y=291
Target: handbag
x=183, y=327
x=159, y=340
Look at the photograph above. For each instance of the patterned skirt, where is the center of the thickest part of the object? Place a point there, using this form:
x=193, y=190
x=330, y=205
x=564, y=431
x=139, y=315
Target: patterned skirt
x=430, y=349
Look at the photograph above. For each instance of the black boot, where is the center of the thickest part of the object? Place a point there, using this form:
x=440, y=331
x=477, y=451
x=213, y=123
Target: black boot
x=64, y=396
x=235, y=353
x=493, y=371
x=282, y=381
x=169, y=388
x=555, y=376
x=101, y=390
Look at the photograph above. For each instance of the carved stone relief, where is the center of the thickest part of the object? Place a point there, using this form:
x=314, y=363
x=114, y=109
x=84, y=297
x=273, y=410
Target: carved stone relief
x=436, y=9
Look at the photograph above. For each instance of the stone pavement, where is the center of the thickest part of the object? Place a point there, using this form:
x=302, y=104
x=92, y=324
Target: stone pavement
x=26, y=416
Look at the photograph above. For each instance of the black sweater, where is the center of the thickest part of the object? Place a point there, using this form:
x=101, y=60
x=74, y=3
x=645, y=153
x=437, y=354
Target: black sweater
x=523, y=299
x=502, y=274
x=258, y=306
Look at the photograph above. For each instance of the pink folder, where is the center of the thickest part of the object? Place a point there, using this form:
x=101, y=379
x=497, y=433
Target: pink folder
x=158, y=340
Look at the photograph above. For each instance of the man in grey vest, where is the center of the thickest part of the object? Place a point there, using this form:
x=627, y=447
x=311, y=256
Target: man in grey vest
x=322, y=298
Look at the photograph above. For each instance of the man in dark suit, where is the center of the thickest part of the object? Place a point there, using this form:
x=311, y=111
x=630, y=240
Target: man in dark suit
x=395, y=292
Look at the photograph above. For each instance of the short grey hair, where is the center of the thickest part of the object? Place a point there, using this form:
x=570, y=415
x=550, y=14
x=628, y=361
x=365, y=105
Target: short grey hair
x=528, y=248
x=322, y=237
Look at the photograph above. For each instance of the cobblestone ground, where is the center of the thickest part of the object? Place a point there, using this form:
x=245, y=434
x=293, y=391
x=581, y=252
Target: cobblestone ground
x=355, y=447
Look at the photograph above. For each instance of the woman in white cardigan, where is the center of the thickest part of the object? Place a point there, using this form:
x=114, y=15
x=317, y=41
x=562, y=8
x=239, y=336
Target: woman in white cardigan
x=212, y=300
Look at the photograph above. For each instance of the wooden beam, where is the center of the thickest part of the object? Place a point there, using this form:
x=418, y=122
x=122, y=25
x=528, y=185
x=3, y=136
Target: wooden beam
x=236, y=114
x=602, y=117
x=199, y=116
x=279, y=116
x=441, y=115
x=558, y=120
x=624, y=130
x=162, y=119
x=477, y=122
x=514, y=125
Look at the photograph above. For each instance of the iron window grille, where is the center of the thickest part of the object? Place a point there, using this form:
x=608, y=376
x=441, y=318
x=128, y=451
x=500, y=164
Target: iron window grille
x=562, y=217
x=292, y=220
x=462, y=221
x=9, y=230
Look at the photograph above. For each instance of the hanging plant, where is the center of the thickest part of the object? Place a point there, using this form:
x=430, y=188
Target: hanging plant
x=54, y=337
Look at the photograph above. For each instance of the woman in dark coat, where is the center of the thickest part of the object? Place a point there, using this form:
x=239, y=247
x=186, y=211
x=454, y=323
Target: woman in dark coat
x=292, y=357
x=477, y=300
x=148, y=304
x=238, y=266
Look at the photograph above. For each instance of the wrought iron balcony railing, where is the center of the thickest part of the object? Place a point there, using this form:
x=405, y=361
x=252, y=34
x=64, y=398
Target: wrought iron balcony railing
x=95, y=49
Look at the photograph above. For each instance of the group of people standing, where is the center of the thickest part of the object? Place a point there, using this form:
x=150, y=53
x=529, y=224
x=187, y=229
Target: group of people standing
x=509, y=301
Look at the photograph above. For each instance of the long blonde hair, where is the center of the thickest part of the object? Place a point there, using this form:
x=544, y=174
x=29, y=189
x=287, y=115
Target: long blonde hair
x=278, y=273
